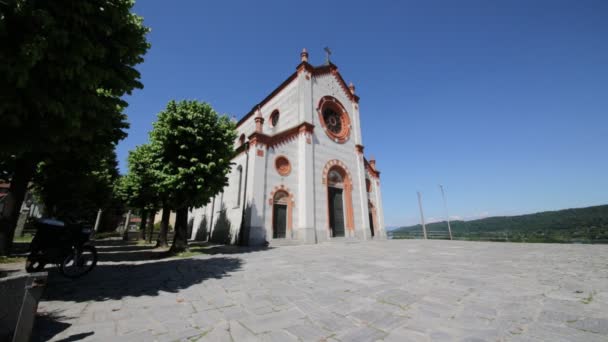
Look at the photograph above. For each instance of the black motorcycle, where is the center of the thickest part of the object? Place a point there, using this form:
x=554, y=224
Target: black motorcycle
x=66, y=245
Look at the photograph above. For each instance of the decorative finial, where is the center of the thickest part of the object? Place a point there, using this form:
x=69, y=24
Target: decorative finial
x=259, y=120
x=304, y=56
x=351, y=86
x=327, y=53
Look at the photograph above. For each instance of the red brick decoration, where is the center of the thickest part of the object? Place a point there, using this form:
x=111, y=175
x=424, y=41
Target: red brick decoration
x=283, y=166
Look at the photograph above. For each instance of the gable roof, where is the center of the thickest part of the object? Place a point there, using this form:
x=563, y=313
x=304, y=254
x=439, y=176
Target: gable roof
x=315, y=71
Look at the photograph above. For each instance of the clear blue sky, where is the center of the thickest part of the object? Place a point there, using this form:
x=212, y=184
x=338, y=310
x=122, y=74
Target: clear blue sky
x=505, y=103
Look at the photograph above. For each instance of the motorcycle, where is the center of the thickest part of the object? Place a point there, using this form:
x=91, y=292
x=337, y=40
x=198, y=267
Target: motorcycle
x=66, y=245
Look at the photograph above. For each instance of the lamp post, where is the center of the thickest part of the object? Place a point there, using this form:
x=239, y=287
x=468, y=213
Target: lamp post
x=422, y=214
x=445, y=205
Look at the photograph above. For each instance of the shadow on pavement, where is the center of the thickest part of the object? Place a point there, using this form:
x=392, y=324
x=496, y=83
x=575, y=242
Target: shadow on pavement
x=48, y=325
x=131, y=270
x=118, y=251
x=115, y=281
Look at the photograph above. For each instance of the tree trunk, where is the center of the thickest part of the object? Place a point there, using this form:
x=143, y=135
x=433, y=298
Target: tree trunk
x=151, y=225
x=24, y=170
x=125, y=231
x=164, y=228
x=142, y=224
x=180, y=240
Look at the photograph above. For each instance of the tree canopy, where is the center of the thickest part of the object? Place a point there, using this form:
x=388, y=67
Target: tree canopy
x=196, y=146
x=65, y=66
x=75, y=188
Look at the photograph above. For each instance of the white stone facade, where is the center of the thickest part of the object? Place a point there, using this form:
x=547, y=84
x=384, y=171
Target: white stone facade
x=327, y=189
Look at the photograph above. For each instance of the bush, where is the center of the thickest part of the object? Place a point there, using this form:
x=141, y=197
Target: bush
x=157, y=227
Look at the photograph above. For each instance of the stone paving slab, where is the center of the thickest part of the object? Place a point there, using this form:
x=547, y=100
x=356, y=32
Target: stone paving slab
x=403, y=290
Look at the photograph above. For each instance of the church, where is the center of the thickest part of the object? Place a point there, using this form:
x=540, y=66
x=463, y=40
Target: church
x=299, y=174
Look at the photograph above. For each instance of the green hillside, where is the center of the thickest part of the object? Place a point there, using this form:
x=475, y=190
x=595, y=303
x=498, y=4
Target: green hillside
x=586, y=225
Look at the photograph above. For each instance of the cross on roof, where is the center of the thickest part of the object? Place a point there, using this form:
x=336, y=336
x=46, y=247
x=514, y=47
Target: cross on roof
x=328, y=53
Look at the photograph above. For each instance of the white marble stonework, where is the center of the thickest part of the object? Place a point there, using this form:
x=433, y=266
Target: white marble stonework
x=322, y=193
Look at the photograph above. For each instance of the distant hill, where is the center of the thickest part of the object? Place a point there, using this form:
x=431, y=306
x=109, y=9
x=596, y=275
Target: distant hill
x=585, y=225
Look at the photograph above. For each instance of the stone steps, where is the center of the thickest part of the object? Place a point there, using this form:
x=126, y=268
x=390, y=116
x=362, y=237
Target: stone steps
x=284, y=242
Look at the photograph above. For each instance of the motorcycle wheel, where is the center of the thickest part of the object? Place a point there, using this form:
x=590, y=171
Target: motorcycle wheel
x=34, y=264
x=79, y=262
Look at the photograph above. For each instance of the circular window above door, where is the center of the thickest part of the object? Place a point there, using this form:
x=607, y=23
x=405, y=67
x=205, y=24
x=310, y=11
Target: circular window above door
x=282, y=165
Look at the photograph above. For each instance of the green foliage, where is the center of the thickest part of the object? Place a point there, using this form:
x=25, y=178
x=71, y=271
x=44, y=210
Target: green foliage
x=142, y=186
x=75, y=188
x=196, y=146
x=157, y=227
x=11, y=260
x=588, y=225
x=65, y=66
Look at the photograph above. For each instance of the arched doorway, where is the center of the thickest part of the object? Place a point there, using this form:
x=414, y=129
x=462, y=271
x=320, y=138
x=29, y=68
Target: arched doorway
x=279, y=214
x=339, y=199
x=335, y=193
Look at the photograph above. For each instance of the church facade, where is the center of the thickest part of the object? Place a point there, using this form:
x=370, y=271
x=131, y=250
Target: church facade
x=299, y=173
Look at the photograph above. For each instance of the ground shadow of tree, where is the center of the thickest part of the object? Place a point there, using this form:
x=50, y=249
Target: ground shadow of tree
x=222, y=231
x=116, y=281
x=201, y=232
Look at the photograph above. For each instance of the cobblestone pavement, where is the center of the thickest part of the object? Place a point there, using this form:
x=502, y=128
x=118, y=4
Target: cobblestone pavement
x=386, y=290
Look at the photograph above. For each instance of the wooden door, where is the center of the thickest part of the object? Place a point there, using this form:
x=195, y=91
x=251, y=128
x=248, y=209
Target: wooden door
x=336, y=212
x=279, y=220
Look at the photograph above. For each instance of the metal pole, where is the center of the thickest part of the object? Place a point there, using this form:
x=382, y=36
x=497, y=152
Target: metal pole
x=97, y=220
x=445, y=205
x=421, y=214
x=128, y=218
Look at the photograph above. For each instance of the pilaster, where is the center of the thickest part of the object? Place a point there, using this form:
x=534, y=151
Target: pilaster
x=257, y=233
x=365, y=231
x=379, y=209
x=305, y=199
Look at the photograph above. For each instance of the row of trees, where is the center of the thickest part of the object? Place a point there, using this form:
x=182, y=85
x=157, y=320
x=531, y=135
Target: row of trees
x=184, y=165
x=64, y=69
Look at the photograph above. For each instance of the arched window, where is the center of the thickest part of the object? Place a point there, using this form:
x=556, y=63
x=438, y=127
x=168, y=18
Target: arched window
x=281, y=197
x=239, y=171
x=241, y=139
x=274, y=118
x=334, y=178
x=368, y=185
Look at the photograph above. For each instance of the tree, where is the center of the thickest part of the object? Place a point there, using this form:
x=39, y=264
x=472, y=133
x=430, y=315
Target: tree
x=64, y=67
x=196, y=146
x=73, y=186
x=140, y=187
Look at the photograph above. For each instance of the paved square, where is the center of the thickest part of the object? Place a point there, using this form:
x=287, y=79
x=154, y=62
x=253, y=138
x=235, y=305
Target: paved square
x=387, y=290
